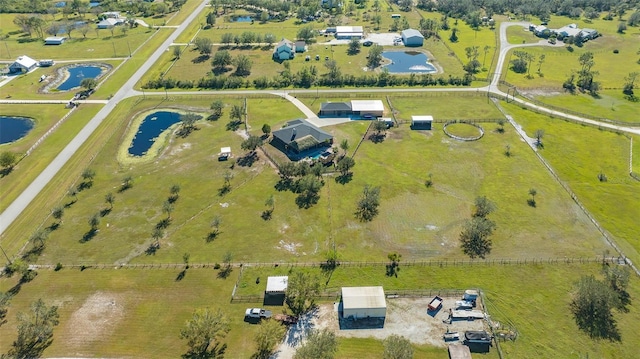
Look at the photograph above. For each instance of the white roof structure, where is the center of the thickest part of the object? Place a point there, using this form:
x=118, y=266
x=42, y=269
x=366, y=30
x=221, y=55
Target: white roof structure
x=226, y=150
x=349, y=29
x=366, y=105
x=26, y=61
x=277, y=284
x=569, y=30
x=363, y=297
x=411, y=33
x=422, y=118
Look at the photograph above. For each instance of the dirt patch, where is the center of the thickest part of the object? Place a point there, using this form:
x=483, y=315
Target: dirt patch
x=97, y=318
x=289, y=247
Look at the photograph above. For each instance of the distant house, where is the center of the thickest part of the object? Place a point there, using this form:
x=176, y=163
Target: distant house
x=300, y=46
x=421, y=122
x=23, y=64
x=569, y=30
x=284, y=50
x=109, y=23
x=412, y=37
x=349, y=32
x=363, y=108
x=589, y=34
x=111, y=15
x=396, y=16
x=335, y=109
x=46, y=63
x=300, y=135
x=54, y=40
x=367, y=108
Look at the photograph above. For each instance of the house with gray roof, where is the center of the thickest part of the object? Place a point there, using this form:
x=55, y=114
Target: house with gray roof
x=284, y=50
x=23, y=64
x=412, y=37
x=335, y=109
x=300, y=135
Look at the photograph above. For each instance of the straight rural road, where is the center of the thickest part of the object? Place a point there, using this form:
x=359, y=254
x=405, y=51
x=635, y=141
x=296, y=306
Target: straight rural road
x=24, y=199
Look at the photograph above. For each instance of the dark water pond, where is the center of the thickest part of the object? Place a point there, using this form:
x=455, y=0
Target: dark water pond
x=408, y=61
x=243, y=19
x=14, y=128
x=150, y=128
x=77, y=74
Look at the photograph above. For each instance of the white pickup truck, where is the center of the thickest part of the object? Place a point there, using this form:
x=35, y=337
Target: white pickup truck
x=257, y=313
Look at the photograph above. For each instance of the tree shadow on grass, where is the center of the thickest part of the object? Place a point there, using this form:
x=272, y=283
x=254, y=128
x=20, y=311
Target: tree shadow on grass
x=225, y=272
x=181, y=275
x=164, y=223
x=284, y=184
x=84, y=185
x=233, y=125
x=211, y=236
x=266, y=214
x=344, y=179
x=152, y=249
x=531, y=203
x=5, y=171
x=248, y=160
x=89, y=235
x=104, y=212
x=222, y=191
x=377, y=137
x=200, y=59
x=53, y=226
x=217, y=352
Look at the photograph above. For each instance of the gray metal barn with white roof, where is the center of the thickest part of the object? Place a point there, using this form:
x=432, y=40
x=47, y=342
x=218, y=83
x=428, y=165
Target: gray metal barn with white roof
x=363, y=302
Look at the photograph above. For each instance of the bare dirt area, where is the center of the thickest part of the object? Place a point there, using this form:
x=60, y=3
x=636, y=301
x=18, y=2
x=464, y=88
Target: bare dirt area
x=97, y=317
x=407, y=317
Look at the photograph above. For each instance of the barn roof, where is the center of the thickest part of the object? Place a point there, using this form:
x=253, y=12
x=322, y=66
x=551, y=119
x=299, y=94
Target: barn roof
x=363, y=297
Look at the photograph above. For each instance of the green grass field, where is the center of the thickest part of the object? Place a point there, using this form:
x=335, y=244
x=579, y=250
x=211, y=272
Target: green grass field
x=613, y=203
x=610, y=104
x=461, y=171
x=520, y=35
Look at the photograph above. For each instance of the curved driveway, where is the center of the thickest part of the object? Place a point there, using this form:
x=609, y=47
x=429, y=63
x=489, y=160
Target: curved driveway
x=14, y=210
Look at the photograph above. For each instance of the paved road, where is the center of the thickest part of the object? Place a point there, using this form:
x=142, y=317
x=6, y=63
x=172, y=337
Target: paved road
x=13, y=211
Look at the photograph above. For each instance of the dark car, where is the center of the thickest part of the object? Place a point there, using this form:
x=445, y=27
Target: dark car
x=367, y=43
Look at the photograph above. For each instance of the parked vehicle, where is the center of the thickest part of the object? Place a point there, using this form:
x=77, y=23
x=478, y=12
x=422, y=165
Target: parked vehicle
x=257, y=313
x=435, y=304
x=450, y=336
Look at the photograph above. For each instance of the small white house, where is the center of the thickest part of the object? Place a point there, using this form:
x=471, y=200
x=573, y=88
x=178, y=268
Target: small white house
x=284, y=50
x=109, y=23
x=277, y=285
x=421, y=122
x=363, y=302
x=23, y=64
x=412, y=37
x=54, y=40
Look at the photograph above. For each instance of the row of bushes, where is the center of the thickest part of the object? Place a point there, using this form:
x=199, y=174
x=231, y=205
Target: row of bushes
x=381, y=80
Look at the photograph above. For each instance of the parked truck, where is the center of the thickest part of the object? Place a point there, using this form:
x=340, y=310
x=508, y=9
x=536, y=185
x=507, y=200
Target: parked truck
x=257, y=313
x=435, y=303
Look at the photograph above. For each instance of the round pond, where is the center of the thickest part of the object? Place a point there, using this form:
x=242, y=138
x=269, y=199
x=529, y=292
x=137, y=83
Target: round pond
x=14, y=128
x=408, y=62
x=242, y=19
x=150, y=128
x=77, y=74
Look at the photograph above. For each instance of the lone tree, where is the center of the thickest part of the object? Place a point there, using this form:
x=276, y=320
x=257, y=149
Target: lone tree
x=8, y=159
x=475, y=241
x=344, y=145
x=483, y=207
x=538, y=135
x=345, y=164
x=35, y=331
x=243, y=65
x=397, y=347
x=270, y=333
x=320, y=344
x=375, y=56
x=89, y=84
x=217, y=107
x=592, y=305
x=354, y=46
x=368, y=204
x=58, y=213
x=301, y=292
x=109, y=198
x=251, y=143
x=203, y=333
x=204, y=45
x=532, y=201
x=394, y=266
x=266, y=129
x=221, y=60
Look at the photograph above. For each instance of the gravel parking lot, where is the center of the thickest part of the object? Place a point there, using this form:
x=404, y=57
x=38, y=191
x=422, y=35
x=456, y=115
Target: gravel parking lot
x=407, y=317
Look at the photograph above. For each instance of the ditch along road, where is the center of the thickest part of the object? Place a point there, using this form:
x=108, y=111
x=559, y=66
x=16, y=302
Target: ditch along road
x=127, y=90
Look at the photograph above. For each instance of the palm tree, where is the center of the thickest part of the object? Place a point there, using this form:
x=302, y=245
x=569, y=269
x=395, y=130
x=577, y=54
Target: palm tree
x=532, y=200
x=175, y=193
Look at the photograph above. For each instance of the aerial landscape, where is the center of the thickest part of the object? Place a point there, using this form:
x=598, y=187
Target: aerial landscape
x=319, y=179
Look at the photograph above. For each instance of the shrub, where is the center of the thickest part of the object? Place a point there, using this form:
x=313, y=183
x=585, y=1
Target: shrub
x=58, y=266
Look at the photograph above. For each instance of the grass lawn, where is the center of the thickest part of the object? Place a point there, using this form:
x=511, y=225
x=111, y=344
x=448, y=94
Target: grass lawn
x=520, y=35
x=100, y=44
x=30, y=167
x=470, y=106
x=579, y=154
x=27, y=86
x=515, y=295
x=610, y=104
x=560, y=62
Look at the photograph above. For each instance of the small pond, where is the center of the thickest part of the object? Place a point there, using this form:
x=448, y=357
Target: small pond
x=408, y=61
x=77, y=74
x=243, y=19
x=150, y=128
x=14, y=128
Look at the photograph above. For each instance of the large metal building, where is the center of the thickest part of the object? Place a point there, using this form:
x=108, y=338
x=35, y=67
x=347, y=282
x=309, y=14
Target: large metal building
x=363, y=302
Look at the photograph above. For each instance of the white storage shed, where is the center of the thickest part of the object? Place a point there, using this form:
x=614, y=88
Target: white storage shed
x=421, y=122
x=363, y=302
x=277, y=285
x=412, y=37
x=367, y=108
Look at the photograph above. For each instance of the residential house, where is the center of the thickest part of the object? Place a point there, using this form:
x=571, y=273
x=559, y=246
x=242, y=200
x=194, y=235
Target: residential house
x=109, y=23
x=23, y=64
x=300, y=46
x=300, y=135
x=349, y=32
x=335, y=109
x=284, y=50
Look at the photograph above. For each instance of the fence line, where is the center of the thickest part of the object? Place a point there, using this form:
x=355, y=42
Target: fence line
x=350, y=264
x=49, y=132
